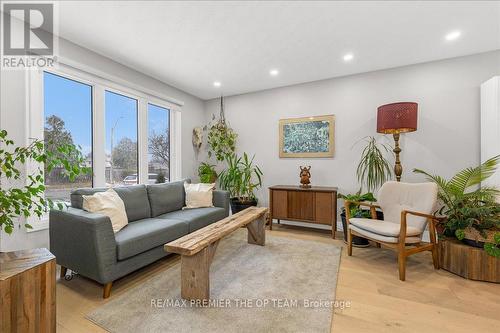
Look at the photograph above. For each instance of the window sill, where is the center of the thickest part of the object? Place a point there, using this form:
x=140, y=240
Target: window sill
x=39, y=225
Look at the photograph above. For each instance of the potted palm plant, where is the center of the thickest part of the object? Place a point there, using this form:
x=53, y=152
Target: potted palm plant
x=373, y=170
x=241, y=178
x=471, y=213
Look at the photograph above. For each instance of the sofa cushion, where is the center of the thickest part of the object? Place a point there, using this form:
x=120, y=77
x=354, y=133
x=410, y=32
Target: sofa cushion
x=136, y=201
x=76, y=195
x=108, y=204
x=143, y=235
x=166, y=197
x=199, y=195
x=197, y=218
x=134, y=197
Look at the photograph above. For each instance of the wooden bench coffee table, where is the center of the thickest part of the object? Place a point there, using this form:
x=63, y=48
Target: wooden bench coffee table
x=198, y=248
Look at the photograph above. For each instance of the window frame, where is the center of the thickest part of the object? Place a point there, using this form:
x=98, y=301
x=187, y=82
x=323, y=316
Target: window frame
x=100, y=82
x=91, y=112
x=120, y=93
x=171, y=137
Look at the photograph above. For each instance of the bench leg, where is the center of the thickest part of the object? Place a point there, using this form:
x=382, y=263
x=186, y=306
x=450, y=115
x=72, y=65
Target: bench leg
x=195, y=273
x=257, y=232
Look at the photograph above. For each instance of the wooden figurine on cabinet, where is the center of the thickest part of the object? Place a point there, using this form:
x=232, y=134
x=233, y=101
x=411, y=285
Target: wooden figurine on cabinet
x=305, y=176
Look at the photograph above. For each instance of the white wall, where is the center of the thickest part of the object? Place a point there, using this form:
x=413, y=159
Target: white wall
x=13, y=118
x=490, y=125
x=447, y=139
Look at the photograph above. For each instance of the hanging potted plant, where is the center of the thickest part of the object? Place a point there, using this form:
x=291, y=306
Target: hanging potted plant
x=241, y=178
x=221, y=137
x=373, y=170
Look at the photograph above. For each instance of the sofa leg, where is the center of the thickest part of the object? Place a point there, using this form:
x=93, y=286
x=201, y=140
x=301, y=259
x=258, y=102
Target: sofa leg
x=64, y=270
x=107, y=290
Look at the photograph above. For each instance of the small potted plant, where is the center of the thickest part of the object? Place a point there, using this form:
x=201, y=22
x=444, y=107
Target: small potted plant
x=207, y=173
x=373, y=170
x=241, y=178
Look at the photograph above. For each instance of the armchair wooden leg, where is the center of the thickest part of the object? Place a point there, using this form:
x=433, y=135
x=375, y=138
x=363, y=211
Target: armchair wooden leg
x=402, y=265
x=435, y=258
x=433, y=237
x=107, y=290
x=64, y=270
x=349, y=242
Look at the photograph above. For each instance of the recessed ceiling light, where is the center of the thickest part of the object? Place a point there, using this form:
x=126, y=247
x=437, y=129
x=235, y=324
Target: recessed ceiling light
x=453, y=35
x=274, y=72
x=216, y=84
x=348, y=57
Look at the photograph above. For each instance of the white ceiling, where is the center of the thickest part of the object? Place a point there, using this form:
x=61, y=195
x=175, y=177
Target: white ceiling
x=192, y=44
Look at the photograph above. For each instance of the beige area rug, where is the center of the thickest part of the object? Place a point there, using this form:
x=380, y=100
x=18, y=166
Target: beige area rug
x=286, y=286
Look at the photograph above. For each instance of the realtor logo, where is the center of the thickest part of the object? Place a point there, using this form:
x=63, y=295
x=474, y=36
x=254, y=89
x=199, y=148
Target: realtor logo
x=28, y=35
x=28, y=29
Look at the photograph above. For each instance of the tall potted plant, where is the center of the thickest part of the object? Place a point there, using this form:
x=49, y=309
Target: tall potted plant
x=241, y=178
x=23, y=201
x=372, y=171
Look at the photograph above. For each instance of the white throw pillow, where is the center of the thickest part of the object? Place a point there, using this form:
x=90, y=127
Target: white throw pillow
x=198, y=195
x=109, y=204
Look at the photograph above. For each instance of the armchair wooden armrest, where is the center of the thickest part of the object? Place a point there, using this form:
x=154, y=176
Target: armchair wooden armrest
x=432, y=227
x=429, y=216
x=369, y=204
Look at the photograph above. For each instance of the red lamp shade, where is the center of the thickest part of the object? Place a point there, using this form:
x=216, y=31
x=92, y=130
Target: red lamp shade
x=397, y=118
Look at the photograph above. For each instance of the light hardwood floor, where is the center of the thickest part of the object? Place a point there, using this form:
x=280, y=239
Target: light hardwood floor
x=428, y=301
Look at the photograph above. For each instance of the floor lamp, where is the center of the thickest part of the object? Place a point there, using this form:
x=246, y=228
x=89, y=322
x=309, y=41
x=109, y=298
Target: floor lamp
x=396, y=118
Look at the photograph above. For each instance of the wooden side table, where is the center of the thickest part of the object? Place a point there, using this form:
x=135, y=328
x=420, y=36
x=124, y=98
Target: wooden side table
x=316, y=204
x=28, y=291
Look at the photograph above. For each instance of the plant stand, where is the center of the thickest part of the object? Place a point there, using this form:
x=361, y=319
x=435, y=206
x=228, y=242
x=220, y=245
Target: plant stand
x=28, y=291
x=469, y=262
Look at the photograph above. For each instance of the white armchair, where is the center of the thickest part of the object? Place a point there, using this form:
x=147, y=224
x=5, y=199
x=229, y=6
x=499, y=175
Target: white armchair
x=407, y=209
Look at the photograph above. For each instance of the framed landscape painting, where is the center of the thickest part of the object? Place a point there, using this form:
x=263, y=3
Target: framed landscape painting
x=307, y=137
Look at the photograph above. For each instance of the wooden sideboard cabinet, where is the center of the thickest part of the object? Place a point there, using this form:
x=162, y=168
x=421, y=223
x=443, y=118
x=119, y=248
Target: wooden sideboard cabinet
x=316, y=204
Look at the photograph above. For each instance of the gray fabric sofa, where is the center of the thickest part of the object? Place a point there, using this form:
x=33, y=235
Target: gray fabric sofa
x=85, y=243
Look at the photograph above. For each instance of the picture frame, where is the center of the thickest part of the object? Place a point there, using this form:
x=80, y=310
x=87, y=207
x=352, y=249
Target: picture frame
x=307, y=137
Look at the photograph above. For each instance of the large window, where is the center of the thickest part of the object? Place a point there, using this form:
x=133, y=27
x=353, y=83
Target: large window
x=158, y=144
x=67, y=120
x=121, y=140
x=127, y=135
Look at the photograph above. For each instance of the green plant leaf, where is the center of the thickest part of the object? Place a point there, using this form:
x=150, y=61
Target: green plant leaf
x=473, y=176
x=460, y=234
x=27, y=200
x=373, y=169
